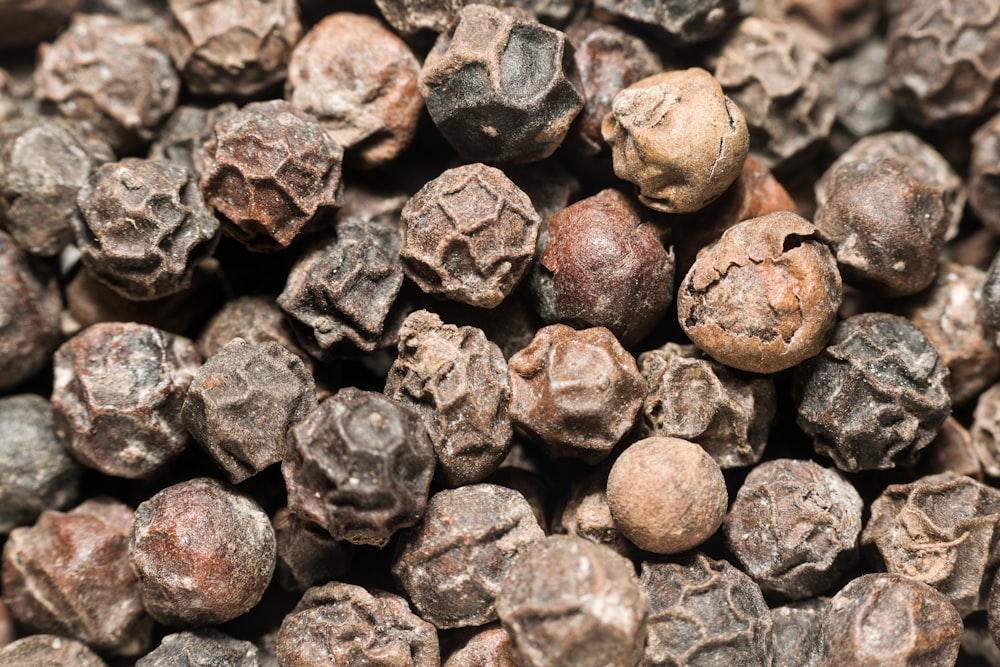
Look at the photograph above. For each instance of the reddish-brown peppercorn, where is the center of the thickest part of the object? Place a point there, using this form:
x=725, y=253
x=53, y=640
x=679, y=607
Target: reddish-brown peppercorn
x=203, y=553
x=360, y=81
x=26, y=23
x=69, y=575
x=48, y=650
x=764, y=297
x=667, y=495
x=577, y=392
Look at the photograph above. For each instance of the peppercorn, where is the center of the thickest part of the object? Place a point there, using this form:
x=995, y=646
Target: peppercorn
x=255, y=319
x=27, y=23
x=829, y=27
x=986, y=430
x=36, y=650
x=952, y=450
x=587, y=514
x=993, y=610
x=490, y=647
x=7, y=632
x=182, y=138
x=984, y=174
x=864, y=104
x=307, y=555
x=201, y=647
x=681, y=23
x=796, y=641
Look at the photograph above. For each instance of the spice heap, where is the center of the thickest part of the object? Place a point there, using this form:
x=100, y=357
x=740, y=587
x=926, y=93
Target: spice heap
x=537, y=333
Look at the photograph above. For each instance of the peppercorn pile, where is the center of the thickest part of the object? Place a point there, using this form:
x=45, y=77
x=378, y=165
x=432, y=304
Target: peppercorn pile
x=555, y=333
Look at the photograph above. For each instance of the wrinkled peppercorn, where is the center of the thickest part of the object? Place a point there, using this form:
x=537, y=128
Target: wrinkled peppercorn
x=577, y=392
x=203, y=553
x=360, y=466
x=182, y=138
x=500, y=86
x=307, y=555
x=201, y=648
x=878, y=369
x=48, y=650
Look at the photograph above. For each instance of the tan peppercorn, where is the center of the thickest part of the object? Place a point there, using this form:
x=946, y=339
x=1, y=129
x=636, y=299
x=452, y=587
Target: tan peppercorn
x=667, y=495
x=678, y=138
x=764, y=297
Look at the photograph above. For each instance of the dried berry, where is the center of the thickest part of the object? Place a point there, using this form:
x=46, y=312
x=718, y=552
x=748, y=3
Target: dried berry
x=203, y=553
x=984, y=174
x=232, y=47
x=794, y=526
x=587, y=513
x=420, y=22
x=568, y=602
x=342, y=624
x=255, y=319
x=501, y=87
x=886, y=619
x=682, y=23
x=307, y=555
x=605, y=267
x=986, y=430
x=490, y=647
x=43, y=164
x=830, y=26
x=341, y=294
x=48, y=650
x=182, y=138
x=796, y=640
x=764, y=297
x=456, y=380
x=951, y=450
x=201, y=648
x=695, y=398
x=69, y=575
x=360, y=81
x=878, y=369
x=113, y=73
x=864, y=105
x=453, y=562
x=667, y=495
x=704, y=612
x=270, y=169
x=120, y=387
x=678, y=138
x=360, y=466
x=939, y=531
x=993, y=610
x=577, y=392
x=243, y=401
x=143, y=227
x=469, y=235
x=36, y=472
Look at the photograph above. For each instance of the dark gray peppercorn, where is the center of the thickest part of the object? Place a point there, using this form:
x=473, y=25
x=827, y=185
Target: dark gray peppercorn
x=201, y=648
x=120, y=387
x=69, y=575
x=878, y=369
x=203, y=553
x=888, y=619
x=682, y=22
x=340, y=295
x=182, y=138
x=568, y=602
x=307, y=555
x=500, y=86
x=343, y=624
x=864, y=105
x=704, y=612
x=242, y=402
x=452, y=563
x=48, y=651
x=796, y=640
x=43, y=164
x=990, y=299
x=36, y=472
x=420, y=22
x=360, y=466
x=143, y=227
x=456, y=380
x=794, y=526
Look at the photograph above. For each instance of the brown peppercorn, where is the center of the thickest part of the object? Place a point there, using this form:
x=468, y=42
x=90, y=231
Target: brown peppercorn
x=232, y=47
x=7, y=632
x=605, y=267
x=682, y=23
x=29, y=314
x=360, y=81
x=986, y=430
x=939, y=530
x=588, y=515
x=490, y=647
x=307, y=555
x=242, y=402
x=360, y=466
x=829, y=26
x=794, y=526
x=704, y=612
x=500, y=86
x=886, y=208
x=469, y=235
x=678, y=138
x=456, y=380
x=764, y=297
x=864, y=104
x=782, y=85
x=120, y=387
x=43, y=164
x=692, y=397
x=201, y=647
x=989, y=302
x=143, y=227
x=69, y=575
x=942, y=62
x=568, y=602
x=182, y=138
x=796, y=640
x=26, y=23
x=341, y=295
x=452, y=563
x=892, y=621
x=115, y=74
x=203, y=553
x=343, y=624
x=255, y=319
x=984, y=174
x=993, y=610
x=952, y=449
x=48, y=650
x=667, y=495
x=577, y=392
x=269, y=169
x=880, y=370
x=36, y=472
